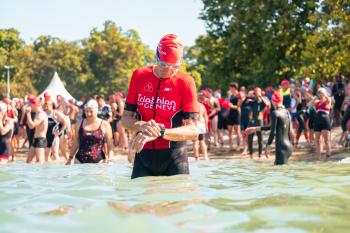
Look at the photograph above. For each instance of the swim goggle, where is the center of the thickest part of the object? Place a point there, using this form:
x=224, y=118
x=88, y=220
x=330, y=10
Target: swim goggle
x=164, y=65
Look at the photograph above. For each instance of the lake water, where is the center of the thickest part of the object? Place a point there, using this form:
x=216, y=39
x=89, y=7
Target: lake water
x=218, y=196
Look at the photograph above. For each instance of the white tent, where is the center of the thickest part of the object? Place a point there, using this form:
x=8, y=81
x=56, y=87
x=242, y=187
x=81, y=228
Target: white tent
x=56, y=88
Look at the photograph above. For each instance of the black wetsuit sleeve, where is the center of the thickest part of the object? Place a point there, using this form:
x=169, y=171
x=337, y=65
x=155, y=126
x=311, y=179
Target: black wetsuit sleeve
x=265, y=127
x=273, y=128
x=345, y=118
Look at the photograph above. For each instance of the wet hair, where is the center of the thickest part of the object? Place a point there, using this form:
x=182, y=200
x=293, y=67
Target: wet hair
x=100, y=97
x=234, y=85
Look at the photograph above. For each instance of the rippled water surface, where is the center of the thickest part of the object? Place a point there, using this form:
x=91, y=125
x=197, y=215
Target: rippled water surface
x=218, y=196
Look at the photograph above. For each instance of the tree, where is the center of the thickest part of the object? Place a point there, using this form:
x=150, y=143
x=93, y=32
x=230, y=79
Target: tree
x=327, y=51
x=253, y=42
x=112, y=57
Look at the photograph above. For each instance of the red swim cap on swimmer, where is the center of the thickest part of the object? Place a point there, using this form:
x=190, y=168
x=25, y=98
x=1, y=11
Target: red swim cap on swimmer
x=6, y=101
x=285, y=82
x=35, y=101
x=170, y=49
x=119, y=94
x=277, y=98
x=29, y=97
x=47, y=96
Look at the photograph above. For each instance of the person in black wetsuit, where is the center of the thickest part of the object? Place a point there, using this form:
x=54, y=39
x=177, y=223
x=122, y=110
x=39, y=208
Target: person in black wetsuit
x=345, y=121
x=338, y=92
x=256, y=118
x=23, y=122
x=6, y=130
x=280, y=126
x=302, y=116
x=246, y=110
x=57, y=123
x=234, y=116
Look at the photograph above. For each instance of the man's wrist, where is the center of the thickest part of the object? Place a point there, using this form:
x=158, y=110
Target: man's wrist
x=162, y=131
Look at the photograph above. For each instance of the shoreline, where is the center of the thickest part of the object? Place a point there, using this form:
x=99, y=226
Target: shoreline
x=303, y=154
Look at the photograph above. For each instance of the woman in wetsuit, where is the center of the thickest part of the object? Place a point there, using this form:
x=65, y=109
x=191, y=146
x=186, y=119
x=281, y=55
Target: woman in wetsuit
x=345, y=121
x=246, y=110
x=91, y=134
x=256, y=119
x=302, y=116
x=55, y=119
x=6, y=131
x=280, y=126
x=234, y=116
x=322, y=125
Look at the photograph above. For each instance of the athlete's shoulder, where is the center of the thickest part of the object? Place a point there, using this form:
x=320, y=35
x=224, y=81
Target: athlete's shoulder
x=183, y=76
x=185, y=79
x=143, y=71
x=42, y=114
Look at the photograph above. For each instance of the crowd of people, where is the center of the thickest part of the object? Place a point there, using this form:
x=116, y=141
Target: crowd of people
x=314, y=107
x=162, y=110
x=48, y=125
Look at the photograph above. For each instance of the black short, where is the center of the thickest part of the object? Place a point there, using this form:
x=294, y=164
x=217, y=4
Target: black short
x=322, y=122
x=15, y=129
x=234, y=118
x=161, y=162
x=50, y=139
x=114, y=124
x=30, y=135
x=39, y=143
x=201, y=137
x=244, y=125
x=222, y=122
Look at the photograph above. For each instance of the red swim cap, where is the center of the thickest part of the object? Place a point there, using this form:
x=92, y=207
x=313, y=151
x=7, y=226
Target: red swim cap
x=277, y=97
x=35, y=101
x=6, y=101
x=29, y=97
x=119, y=94
x=285, y=82
x=170, y=49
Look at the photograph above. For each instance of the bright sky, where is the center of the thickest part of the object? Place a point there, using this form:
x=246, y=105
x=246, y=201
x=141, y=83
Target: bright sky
x=73, y=19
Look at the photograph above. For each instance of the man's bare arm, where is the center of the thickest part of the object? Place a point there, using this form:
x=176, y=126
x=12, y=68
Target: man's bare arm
x=108, y=135
x=7, y=127
x=184, y=133
x=75, y=143
x=130, y=122
x=266, y=101
x=34, y=123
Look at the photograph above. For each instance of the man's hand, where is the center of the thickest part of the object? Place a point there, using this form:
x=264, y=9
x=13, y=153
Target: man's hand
x=28, y=109
x=250, y=130
x=56, y=133
x=151, y=128
x=139, y=141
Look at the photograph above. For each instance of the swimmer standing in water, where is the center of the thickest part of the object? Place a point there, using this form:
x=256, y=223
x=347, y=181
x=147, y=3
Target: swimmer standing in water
x=280, y=126
x=40, y=124
x=6, y=131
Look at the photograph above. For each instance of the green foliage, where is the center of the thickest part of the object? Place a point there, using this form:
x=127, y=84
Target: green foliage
x=252, y=42
x=263, y=41
x=101, y=63
x=112, y=57
x=327, y=51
